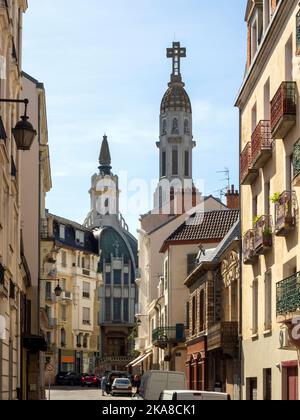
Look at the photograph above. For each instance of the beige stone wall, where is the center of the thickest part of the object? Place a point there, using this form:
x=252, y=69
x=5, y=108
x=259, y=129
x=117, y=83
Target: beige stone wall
x=10, y=223
x=261, y=352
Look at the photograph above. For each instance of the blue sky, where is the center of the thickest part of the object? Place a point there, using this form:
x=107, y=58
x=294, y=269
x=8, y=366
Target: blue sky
x=104, y=67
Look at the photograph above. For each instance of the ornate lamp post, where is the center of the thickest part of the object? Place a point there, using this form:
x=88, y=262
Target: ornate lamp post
x=24, y=133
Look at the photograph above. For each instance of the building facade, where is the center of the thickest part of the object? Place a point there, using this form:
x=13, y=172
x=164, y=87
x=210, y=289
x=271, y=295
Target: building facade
x=269, y=129
x=118, y=263
x=69, y=321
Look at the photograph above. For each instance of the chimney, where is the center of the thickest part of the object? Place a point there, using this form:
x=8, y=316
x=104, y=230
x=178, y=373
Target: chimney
x=233, y=199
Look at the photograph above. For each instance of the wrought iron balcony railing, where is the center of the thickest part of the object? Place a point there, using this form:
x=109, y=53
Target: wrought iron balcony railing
x=223, y=336
x=249, y=255
x=283, y=110
x=285, y=213
x=163, y=336
x=288, y=295
x=263, y=239
x=261, y=145
x=248, y=173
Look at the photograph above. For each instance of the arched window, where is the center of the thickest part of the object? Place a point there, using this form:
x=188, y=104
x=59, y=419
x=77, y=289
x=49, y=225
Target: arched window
x=175, y=128
x=85, y=341
x=164, y=127
x=63, y=337
x=186, y=127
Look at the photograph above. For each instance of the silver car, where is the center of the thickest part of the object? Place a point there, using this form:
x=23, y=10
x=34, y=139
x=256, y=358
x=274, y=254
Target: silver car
x=121, y=386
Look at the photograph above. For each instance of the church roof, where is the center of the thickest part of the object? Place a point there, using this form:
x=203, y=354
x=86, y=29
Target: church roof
x=176, y=99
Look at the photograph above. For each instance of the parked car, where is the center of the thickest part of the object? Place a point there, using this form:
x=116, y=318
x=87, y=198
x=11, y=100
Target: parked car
x=67, y=378
x=112, y=376
x=90, y=380
x=155, y=382
x=121, y=386
x=193, y=396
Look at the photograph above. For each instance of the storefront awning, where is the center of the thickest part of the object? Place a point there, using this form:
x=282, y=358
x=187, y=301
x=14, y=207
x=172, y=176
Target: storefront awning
x=142, y=359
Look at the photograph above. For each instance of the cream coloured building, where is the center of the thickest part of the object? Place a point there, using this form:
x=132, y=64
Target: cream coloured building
x=70, y=321
x=269, y=130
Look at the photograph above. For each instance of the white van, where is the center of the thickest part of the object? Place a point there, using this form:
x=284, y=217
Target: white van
x=193, y=396
x=155, y=382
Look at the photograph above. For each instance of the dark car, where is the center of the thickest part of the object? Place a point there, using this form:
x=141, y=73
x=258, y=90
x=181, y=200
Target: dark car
x=67, y=378
x=112, y=376
x=90, y=380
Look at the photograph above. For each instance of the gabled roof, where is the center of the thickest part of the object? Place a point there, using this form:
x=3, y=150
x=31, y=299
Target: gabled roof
x=207, y=226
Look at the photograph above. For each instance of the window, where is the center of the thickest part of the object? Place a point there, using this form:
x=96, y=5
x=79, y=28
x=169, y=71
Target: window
x=86, y=316
x=86, y=293
x=117, y=277
x=126, y=279
x=252, y=389
x=267, y=100
x=86, y=264
x=186, y=127
x=126, y=310
x=108, y=279
x=289, y=60
x=63, y=337
x=255, y=307
x=268, y=301
x=64, y=259
x=267, y=384
x=48, y=290
x=62, y=232
x=254, y=39
x=254, y=208
x=12, y=290
x=194, y=316
x=79, y=237
x=267, y=13
x=175, y=161
x=254, y=118
x=164, y=127
x=289, y=172
x=63, y=313
x=267, y=198
x=63, y=284
x=186, y=163
x=117, y=309
x=107, y=310
x=202, y=310
x=188, y=315
x=164, y=164
x=175, y=128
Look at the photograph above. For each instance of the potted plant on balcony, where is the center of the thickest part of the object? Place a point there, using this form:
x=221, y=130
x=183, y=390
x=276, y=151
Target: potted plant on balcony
x=267, y=237
x=275, y=198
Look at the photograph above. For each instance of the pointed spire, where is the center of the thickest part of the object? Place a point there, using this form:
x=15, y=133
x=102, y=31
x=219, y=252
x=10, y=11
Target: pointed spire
x=105, y=158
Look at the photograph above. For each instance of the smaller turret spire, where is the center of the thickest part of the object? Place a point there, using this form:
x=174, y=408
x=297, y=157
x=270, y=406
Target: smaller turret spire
x=105, y=158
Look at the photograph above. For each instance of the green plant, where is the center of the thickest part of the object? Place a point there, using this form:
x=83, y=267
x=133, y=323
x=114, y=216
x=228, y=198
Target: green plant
x=256, y=219
x=275, y=197
x=267, y=231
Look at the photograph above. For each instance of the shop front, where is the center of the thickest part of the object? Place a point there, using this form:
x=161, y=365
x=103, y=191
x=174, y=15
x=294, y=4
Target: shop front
x=196, y=372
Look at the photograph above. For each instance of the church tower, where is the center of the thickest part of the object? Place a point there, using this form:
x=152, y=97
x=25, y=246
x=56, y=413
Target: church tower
x=176, y=132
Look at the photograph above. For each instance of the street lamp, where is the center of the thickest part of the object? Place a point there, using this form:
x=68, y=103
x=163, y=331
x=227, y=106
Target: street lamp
x=58, y=290
x=24, y=133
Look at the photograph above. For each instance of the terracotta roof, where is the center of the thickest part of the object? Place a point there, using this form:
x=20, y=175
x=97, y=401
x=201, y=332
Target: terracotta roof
x=210, y=225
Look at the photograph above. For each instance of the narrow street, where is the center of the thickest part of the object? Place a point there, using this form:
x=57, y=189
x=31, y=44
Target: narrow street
x=80, y=394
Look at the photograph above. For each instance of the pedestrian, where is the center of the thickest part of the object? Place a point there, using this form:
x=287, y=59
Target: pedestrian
x=104, y=385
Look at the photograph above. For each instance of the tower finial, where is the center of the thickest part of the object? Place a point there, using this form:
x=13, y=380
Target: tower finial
x=105, y=158
x=176, y=53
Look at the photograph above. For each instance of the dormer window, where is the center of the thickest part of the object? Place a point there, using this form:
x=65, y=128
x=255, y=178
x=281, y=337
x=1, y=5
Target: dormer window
x=175, y=128
x=79, y=237
x=62, y=232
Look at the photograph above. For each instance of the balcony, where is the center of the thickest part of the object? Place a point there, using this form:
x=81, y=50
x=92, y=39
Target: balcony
x=288, y=297
x=51, y=348
x=263, y=239
x=248, y=173
x=223, y=336
x=50, y=298
x=67, y=296
x=261, y=146
x=164, y=336
x=285, y=213
x=283, y=110
x=249, y=255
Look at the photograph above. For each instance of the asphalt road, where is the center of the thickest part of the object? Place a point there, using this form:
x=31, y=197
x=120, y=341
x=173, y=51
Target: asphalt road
x=80, y=394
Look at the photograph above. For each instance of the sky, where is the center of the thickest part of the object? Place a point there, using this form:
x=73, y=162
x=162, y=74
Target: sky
x=104, y=67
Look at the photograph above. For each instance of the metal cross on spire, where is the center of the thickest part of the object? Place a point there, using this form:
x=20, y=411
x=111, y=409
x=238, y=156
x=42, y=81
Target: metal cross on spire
x=176, y=53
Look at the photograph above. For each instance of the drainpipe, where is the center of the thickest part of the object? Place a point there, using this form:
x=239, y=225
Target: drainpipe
x=41, y=355
x=241, y=269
